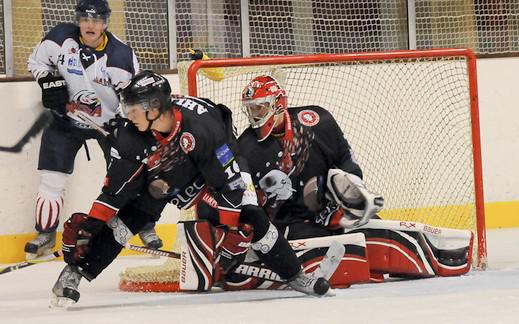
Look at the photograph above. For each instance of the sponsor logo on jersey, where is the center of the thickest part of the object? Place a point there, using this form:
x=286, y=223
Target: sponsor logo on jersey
x=237, y=184
x=183, y=198
x=73, y=62
x=308, y=117
x=102, y=81
x=74, y=71
x=224, y=154
x=187, y=142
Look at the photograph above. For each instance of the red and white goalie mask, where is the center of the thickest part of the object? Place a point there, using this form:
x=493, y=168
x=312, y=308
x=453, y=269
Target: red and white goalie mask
x=264, y=102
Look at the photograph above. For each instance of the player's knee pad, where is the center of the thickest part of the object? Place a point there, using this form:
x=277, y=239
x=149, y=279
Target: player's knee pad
x=52, y=185
x=49, y=202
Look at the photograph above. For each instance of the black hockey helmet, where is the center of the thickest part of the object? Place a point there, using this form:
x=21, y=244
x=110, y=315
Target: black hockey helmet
x=93, y=9
x=148, y=88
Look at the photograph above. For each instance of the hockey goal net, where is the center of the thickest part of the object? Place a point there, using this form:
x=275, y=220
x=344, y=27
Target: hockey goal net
x=411, y=118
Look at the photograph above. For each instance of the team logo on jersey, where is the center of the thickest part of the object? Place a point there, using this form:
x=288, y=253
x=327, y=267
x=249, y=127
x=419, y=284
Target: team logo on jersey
x=277, y=184
x=308, y=117
x=187, y=142
x=88, y=102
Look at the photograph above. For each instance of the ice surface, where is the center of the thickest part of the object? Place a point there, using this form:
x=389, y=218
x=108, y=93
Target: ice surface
x=490, y=296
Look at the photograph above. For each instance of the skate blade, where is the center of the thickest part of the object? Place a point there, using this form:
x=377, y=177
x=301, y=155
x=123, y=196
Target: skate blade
x=61, y=302
x=330, y=293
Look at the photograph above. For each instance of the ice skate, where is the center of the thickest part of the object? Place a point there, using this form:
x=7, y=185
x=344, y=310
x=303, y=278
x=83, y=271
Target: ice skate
x=309, y=285
x=65, y=289
x=150, y=238
x=42, y=245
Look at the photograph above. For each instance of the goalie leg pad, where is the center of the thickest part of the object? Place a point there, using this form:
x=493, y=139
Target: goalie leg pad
x=412, y=249
x=197, y=251
x=353, y=267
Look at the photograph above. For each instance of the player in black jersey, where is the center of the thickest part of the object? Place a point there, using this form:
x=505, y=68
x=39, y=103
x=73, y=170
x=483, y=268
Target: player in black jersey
x=196, y=154
x=302, y=165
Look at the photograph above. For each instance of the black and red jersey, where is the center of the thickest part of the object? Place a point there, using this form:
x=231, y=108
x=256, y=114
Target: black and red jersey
x=311, y=144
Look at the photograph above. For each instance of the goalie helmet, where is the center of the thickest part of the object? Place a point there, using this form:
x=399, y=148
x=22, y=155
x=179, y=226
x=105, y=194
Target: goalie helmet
x=149, y=89
x=264, y=102
x=97, y=9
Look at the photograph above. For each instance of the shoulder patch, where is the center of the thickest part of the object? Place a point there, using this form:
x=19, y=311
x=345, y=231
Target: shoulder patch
x=187, y=142
x=308, y=117
x=224, y=154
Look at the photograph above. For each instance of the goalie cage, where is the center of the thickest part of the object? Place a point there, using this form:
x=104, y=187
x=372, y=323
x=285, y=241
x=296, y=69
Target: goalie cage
x=411, y=118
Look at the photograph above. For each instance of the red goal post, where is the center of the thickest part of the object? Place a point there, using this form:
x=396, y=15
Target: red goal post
x=411, y=117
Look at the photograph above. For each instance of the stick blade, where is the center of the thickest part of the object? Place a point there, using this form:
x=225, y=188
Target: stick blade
x=43, y=120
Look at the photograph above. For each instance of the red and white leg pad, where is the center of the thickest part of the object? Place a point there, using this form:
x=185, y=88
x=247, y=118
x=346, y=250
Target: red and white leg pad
x=411, y=249
x=197, y=250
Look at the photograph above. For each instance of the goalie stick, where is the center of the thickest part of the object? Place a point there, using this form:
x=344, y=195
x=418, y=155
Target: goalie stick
x=29, y=263
x=326, y=269
x=43, y=120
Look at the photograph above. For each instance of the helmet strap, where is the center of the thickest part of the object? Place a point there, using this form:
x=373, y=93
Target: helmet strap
x=150, y=121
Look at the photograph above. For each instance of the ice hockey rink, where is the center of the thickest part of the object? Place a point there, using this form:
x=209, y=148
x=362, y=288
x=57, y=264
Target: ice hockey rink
x=490, y=296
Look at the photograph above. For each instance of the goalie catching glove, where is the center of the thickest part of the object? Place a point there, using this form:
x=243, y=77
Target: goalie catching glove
x=341, y=189
x=78, y=231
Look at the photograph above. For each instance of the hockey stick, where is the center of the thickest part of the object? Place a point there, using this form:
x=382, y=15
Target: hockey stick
x=41, y=122
x=326, y=269
x=29, y=263
x=245, y=269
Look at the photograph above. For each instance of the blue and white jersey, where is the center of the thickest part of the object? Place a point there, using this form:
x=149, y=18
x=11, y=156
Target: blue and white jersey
x=94, y=76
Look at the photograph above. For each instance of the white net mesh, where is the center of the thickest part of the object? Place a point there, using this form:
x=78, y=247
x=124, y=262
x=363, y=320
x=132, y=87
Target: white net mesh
x=407, y=120
x=143, y=24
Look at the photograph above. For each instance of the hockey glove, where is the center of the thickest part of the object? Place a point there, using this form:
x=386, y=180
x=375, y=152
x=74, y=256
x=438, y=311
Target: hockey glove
x=350, y=192
x=54, y=93
x=78, y=231
x=330, y=216
x=234, y=248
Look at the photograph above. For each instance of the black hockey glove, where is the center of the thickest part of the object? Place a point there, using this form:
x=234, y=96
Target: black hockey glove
x=78, y=231
x=54, y=93
x=113, y=125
